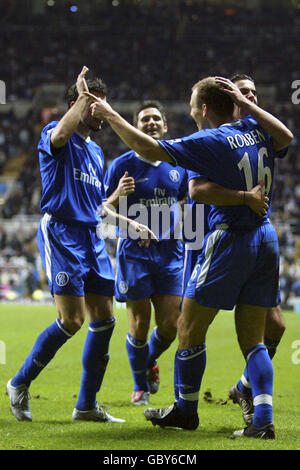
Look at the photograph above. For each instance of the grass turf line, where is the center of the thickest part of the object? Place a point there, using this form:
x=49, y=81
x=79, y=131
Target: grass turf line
x=54, y=392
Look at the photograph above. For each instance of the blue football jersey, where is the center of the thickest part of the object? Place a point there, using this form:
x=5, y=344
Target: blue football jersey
x=236, y=155
x=72, y=179
x=157, y=186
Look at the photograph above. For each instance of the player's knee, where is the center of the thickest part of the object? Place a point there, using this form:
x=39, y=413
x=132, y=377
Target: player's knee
x=73, y=324
x=184, y=333
x=140, y=327
x=275, y=323
x=168, y=328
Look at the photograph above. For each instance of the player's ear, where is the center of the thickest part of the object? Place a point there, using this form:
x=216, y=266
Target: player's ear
x=204, y=110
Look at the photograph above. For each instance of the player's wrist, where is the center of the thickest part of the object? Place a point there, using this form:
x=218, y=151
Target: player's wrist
x=111, y=115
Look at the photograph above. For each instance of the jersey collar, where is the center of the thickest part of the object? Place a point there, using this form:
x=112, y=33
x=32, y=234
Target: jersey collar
x=157, y=163
x=87, y=139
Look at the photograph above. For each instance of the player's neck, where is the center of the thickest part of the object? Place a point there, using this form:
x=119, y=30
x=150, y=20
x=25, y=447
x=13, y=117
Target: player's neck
x=216, y=121
x=83, y=130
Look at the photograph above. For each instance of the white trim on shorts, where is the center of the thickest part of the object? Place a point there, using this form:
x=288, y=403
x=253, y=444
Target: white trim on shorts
x=45, y=220
x=209, y=250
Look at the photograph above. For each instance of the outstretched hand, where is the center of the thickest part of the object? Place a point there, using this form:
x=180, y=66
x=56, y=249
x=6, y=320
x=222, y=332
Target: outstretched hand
x=81, y=84
x=144, y=233
x=233, y=91
x=100, y=109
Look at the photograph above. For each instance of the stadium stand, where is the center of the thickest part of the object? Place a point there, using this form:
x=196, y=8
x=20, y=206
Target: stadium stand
x=142, y=50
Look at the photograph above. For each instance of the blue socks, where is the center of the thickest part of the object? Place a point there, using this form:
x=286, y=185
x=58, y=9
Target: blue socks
x=157, y=345
x=94, y=361
x=260, y=370
x=44, y=349
x=188, y=372
x=271, y=345
x=243, y=384
x=138, y=358
x=142, y=356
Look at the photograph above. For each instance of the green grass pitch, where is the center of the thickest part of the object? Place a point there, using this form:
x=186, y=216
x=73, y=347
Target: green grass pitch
x=54, y=391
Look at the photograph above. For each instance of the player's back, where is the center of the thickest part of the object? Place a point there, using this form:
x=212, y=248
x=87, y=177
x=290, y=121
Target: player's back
x=237, y=155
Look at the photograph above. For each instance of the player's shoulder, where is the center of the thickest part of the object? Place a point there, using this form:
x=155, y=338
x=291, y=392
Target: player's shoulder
x=123, y=158
x=191, y=138
x=48, y=128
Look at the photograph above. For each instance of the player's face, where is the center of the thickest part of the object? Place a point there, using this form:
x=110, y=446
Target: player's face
x=88, y=120
x=247, y=87
x=150, y=121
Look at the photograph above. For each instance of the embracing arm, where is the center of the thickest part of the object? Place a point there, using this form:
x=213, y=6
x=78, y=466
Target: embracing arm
x=281, y=135
x=207, y=192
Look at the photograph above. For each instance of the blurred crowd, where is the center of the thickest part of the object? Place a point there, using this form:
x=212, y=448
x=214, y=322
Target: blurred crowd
x=156, y=50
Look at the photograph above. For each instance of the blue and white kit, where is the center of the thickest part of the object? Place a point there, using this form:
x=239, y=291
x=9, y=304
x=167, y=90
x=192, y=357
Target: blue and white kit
x=74, y=257
x=142, y=271
x=241, y=248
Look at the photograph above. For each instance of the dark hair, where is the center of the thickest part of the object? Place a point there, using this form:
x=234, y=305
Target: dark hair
x=149, y=104
x=94, y=84
x=241, y=76
x=210, y=92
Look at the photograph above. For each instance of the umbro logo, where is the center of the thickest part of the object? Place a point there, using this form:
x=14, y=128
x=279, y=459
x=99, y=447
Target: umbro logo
x=141, y=180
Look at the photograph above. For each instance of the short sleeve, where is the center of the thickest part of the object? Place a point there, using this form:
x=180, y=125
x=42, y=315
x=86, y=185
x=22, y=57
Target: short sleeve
x=44, y=144
x=188, y=152
x=282, y=153
x=193, y=174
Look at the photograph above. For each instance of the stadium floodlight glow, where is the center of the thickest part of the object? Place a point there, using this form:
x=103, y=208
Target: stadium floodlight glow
x=50, y=3
x=115, y=3
x=73, y=8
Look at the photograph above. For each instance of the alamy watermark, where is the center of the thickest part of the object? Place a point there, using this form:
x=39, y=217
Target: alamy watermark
x=296, y=353
x=2, y=92
x=167, y=221
x=296, y=94
x=2, y=353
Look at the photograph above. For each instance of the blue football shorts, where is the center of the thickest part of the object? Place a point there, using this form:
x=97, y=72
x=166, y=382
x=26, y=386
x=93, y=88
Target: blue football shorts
x=237, y=267
x=190, y=261
x=142, y=272
x=74, y=258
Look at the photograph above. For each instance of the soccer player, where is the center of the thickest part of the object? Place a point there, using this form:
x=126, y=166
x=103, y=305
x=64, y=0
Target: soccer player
x=237, y=155
x=275, y=323
x=77, y=265
x=154, y=274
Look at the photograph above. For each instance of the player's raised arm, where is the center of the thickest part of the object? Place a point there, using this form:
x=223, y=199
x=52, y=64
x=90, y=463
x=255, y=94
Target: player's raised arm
x=282, y=136
x=69, y=122
x=142, y=143
x=207, y=192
